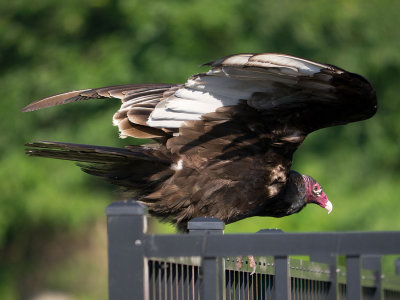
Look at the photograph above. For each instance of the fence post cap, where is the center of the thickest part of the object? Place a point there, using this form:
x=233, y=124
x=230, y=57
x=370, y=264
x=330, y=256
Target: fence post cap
x=127, y=207
x=206, y=223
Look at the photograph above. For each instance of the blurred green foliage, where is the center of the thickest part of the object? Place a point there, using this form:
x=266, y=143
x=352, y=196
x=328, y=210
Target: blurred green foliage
x=48, y=47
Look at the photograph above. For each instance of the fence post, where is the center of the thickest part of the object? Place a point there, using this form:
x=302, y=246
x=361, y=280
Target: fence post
x=353, y=277
x=282, y=288
x=397, y=266
x=211, y=276
x=282, y=280
x=373, y=262
x=330, y=260
x=127, y=270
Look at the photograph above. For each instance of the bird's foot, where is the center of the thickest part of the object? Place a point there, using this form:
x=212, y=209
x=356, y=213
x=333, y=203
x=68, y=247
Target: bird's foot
x=252, y=263
x=239, y=262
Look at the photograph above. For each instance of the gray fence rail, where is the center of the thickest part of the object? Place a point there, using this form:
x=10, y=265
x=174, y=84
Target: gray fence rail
x=202, y=264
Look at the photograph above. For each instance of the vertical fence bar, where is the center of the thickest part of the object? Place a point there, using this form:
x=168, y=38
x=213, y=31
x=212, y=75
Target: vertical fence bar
x=353, y=277
x=331, y=260
x=127, y=270
x=282, y=280
x=212, y=273
x=373, y=262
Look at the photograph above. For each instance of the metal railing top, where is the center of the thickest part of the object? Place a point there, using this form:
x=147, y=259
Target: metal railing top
x=129, y=245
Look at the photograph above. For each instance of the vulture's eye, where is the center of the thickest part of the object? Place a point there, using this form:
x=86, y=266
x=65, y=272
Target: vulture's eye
x=317, y=190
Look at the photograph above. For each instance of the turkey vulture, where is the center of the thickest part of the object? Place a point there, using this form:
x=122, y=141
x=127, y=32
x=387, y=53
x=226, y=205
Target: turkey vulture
x=223, y=141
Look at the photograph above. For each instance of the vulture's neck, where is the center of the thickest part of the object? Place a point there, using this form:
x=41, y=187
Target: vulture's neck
x=290, y=200
x=295, y=192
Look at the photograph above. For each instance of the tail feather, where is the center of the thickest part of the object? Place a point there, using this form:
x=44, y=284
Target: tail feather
x=138, y=168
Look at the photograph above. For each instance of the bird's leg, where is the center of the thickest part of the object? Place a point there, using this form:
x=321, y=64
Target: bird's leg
x=239, y=262
x=252, y=263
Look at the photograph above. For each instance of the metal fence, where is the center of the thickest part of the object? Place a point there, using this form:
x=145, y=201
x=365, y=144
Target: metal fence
x=203, y=263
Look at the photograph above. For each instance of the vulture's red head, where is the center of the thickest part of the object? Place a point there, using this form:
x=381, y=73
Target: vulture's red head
x=315, y=194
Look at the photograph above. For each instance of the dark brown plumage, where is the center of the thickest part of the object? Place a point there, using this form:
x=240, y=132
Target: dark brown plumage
x=226, y=137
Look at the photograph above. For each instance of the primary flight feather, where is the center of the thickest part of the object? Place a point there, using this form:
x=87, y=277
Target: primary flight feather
x=225, y=138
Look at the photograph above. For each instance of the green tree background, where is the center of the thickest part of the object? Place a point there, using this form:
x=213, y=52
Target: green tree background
x=52, y=234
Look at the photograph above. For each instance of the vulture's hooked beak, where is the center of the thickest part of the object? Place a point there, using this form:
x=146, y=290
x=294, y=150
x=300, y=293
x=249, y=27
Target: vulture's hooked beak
x=328, y=206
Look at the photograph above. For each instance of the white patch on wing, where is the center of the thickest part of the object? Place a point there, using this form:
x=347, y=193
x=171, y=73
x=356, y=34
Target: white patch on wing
x=201, y=95
x=178, y=166
x=237, y=78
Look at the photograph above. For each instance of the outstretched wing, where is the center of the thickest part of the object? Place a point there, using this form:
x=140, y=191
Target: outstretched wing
x=306, y=94
x=312, y=95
